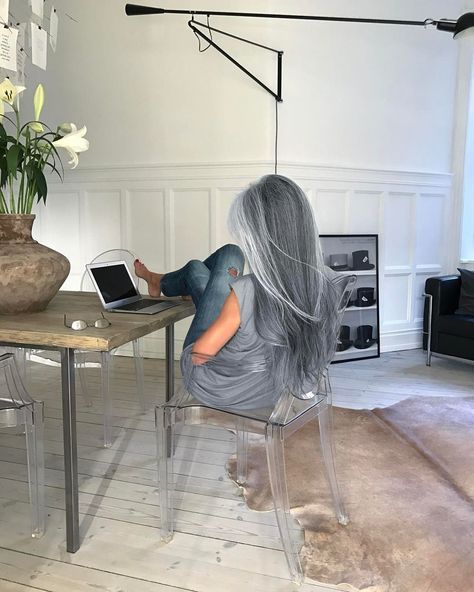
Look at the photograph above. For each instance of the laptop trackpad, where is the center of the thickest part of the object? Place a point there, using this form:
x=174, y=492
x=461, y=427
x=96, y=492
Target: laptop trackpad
x=145, y=306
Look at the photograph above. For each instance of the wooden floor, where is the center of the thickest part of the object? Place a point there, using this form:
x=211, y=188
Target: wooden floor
x=220, y=545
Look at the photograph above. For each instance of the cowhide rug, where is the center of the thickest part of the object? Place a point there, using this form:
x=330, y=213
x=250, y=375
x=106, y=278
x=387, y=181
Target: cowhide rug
x=407, y=477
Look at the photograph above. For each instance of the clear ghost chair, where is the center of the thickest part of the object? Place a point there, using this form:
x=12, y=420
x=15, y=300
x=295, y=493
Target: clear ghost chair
x=106, y=357
x=18, y=408
x=291, y=412
x=21, y=356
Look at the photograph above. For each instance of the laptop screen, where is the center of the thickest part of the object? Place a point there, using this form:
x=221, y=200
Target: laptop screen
x=114, y=282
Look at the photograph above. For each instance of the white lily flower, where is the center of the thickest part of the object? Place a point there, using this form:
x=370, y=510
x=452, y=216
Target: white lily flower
x=8, y=94
x=73, y=143
x=36, y=127
x=38, y=102
x=67, y=128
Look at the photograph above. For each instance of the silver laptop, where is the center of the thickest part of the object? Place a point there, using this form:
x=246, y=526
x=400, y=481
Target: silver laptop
x=117, y=292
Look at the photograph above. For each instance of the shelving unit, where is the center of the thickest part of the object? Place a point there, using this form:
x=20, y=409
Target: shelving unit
x=357, y=251
x=370, y=272
x=351, y=353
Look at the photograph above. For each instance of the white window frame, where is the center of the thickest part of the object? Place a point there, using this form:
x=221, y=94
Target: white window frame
x=463, y=160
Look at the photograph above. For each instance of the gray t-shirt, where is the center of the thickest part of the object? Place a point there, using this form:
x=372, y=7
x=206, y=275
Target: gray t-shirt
x=241, y=377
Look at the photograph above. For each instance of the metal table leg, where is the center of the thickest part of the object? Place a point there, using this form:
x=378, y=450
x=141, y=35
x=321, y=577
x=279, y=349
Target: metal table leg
x=169, y=377
x=106, y=401
x=70, y=449
x=169, y=361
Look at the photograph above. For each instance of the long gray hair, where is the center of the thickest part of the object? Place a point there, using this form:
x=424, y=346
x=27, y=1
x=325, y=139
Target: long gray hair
x=295, y=301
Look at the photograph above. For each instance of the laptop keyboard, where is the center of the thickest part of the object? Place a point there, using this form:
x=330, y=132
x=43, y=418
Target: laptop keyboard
x=139, y=305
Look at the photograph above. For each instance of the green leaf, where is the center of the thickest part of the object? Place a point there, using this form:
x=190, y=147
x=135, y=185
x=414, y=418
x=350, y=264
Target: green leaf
x=53, y=168
x=4, y=170
x=30, y=173
x=41, y=185
x=13, y=158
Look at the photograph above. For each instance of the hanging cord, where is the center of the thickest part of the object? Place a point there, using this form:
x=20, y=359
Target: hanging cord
x=199, y=38
x=276, y=136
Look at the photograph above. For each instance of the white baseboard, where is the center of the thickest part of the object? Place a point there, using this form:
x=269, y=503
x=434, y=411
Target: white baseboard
x=401, y=340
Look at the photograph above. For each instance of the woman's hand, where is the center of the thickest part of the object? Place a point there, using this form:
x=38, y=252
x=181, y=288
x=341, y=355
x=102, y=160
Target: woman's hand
x=199, y=359
x=219, y=333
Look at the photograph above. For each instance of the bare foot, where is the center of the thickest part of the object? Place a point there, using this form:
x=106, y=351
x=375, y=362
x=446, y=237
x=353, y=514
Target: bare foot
x=151, y=278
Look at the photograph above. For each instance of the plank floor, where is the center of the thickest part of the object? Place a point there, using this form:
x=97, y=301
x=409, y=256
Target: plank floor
x=219, y=545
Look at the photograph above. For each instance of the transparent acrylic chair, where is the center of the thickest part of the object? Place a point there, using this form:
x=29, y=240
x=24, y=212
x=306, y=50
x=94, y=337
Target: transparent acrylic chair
x=290, y=413
x=17, y=408
x=106, y=357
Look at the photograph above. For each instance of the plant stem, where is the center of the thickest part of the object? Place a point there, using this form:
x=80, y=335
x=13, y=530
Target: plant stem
x=16, y=209
x=3, y=204
x=18, y=126
x=22, y=196
x=12, y=198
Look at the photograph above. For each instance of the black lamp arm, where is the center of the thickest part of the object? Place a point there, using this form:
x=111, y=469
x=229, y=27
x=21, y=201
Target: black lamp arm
x=446, y=25
x=137, y=9
x=442, y=24
x=276, y=95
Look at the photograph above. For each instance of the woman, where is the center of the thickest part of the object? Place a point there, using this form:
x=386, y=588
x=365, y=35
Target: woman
x=255, y=335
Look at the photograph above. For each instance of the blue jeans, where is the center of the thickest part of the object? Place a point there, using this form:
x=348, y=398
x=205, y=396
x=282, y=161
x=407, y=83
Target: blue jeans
x=208, y=283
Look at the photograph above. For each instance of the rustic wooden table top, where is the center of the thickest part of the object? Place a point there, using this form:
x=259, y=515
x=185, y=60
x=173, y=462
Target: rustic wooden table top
x=47, y=328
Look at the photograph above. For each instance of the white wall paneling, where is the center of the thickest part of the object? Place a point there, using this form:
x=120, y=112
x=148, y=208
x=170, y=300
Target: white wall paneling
x=399, y=228
x=397, y=294
x=331, y=210
x=102, y=221
x=60, y=227
x=223, y=200
x=168, y=214
x=191, y=230
x=364, y=212
x=140, y=228
x=430, y=238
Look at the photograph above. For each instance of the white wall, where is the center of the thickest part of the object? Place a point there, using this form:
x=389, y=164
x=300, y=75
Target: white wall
x=372, y=96
x=366, y=128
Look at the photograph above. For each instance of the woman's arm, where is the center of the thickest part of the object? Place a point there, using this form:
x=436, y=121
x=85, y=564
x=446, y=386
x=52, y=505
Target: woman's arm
x=221, y=330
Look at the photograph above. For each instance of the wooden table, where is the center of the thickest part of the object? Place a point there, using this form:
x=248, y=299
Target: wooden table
x=46, y=330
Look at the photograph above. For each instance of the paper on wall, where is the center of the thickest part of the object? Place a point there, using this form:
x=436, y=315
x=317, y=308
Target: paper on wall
x=53, y=28
x=21, y=54
x=39, y=46
x=8, y=38
x=37, y=7
x=4, y=11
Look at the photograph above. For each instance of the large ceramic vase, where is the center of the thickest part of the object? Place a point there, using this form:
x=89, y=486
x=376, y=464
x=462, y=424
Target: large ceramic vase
x=30, y=274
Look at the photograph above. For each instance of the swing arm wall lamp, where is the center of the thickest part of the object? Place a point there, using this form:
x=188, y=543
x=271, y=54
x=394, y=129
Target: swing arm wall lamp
x=462, y=28
x=463, y=24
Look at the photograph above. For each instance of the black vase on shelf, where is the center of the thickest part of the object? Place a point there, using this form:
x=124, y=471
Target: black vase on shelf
x=360, y=261
x=364, y=337
x=344, y=342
